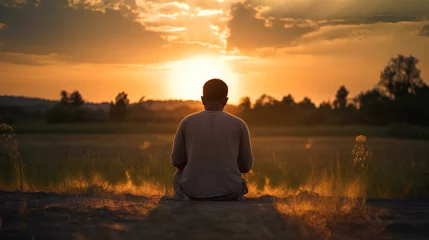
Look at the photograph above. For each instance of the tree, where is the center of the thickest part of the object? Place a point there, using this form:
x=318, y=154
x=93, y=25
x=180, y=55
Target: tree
x=142, y=100
x=400, y=77
x=64, y=97
x=341, y=98
x=306, y=104
x=69, y=108
x=325, y=105
x=374, y=106
x=245, y=104
x=76, y=99
x=122, y=99
x=118, y=110
x=416, y=106
x=265, y=100
x=288, y=101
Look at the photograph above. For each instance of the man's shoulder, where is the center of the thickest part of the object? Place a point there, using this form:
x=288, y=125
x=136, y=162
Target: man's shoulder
x=232, y=116
x=192, y=116
x=235, y=118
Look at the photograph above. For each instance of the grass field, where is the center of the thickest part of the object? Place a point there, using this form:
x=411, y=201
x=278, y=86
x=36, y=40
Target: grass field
x=140, y=164
x=320, y=187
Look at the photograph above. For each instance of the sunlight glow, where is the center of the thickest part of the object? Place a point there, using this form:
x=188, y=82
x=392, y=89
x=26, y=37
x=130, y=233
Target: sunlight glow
x=188, y=76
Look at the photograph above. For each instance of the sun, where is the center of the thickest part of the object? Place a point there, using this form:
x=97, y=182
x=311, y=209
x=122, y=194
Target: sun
x=188, y=76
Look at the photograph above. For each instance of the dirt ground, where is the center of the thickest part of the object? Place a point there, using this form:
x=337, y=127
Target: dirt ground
x=60, y=216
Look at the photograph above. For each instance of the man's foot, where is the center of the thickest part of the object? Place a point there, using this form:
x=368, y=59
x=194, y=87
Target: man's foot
x=181, y=197
x=241, y=198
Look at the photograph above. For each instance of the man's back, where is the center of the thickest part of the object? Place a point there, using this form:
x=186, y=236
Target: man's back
x=213, y=149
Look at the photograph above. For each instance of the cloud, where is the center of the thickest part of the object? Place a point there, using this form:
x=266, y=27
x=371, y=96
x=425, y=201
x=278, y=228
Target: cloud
x=190, y=21
x=364, y=41
x=165, y=8
x=425, y=31
x=102, y=32
x=209, y=12
x=358, y=11
x=77, y=34
x=249, y=30
x=360, y=31
x=131, y=31
x=261, y=26
x=30, y=59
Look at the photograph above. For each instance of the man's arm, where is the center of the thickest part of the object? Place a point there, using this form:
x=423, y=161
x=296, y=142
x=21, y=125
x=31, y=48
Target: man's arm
x=245, y=157
x=178, y=155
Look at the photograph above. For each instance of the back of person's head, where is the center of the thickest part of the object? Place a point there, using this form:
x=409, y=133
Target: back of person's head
x=215, y=90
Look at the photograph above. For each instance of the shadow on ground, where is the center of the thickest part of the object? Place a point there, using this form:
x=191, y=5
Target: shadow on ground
x=55, y=216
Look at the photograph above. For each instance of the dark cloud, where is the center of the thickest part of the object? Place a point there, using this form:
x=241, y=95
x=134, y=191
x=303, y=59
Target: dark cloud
x=77, y=34
x=249, y=32
x=364, y=11
x=425, y=31
x=291, y=20
x=369, y=20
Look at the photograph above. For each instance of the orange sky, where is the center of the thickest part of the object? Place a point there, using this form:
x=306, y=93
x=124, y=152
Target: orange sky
x=166, y=50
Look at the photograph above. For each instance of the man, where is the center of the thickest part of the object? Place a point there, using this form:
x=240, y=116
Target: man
x=211, y=150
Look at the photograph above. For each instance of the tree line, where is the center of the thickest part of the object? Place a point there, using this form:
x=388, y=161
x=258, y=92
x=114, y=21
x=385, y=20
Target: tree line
x=71, y=109
x=400, y=96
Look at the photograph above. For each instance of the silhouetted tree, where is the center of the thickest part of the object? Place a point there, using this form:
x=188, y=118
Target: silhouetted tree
x=142, y=100
x=76, y=99
x=68, y=110
x=422, y=105
x=118, y=109
x=415, y=107
x=341, y=98
x=374, y=107
x=65, y=99
x=265, y=101
x=325, y=105
x=288, y=101
x=245, y=104
x=399, y=81
x=305, y=112
x=401, y=76
x=306, y=104
x=323, y=113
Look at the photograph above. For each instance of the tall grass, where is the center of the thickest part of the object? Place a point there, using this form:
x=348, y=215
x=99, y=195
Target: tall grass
x=11, y=165
x=140, y=164
x=337, y=178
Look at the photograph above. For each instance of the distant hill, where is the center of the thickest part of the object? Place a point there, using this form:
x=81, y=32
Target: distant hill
x=24, y=101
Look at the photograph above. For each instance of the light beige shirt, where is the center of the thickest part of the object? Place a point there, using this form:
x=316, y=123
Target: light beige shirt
x=212, y=148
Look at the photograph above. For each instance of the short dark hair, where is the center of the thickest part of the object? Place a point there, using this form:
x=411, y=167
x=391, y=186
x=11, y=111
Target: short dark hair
x=215, y=90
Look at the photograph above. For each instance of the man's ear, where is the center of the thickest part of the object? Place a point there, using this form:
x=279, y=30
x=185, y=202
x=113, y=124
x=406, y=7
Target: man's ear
x=225, y=101
x=202, y=100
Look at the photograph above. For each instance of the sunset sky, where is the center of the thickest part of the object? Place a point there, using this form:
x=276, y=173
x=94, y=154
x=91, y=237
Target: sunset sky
x=165, y=49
